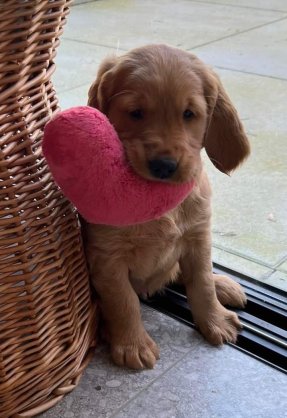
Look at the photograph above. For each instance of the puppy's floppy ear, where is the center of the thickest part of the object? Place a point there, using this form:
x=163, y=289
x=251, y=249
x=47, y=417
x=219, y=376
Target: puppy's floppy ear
x=225, y=141
x=99, y=90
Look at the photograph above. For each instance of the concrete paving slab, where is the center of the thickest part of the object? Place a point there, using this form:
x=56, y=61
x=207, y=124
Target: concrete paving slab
x=208, y=383
x=77, y=64
x=260, y=51
x=105, y=388
x=74, y=97
x=77, y=2
x=239, y=264
x=283, y=267
x=279, y=5
x=182, y=23
x=250, y=206
x=249, y=219
x=277, y=279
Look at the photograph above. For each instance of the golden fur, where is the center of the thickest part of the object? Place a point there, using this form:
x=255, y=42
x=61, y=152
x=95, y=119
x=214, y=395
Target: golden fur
x=162, y=82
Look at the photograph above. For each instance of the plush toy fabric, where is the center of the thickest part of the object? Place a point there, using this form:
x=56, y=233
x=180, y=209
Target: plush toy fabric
x=87, y=161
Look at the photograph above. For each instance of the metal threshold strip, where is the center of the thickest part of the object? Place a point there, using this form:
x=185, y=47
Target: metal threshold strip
x=264, y=320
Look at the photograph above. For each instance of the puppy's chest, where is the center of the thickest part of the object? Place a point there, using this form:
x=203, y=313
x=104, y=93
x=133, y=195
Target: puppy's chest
x=156, y=247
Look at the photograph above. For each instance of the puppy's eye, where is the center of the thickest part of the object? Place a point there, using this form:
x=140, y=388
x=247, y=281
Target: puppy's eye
x=188, y=114
x=136, y=114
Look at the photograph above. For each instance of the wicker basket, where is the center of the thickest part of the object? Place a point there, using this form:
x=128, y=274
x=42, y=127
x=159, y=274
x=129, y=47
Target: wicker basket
x=47, y=319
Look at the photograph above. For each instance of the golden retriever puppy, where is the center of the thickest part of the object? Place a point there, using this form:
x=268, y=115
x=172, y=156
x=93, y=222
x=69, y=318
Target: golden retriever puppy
x=166, y=106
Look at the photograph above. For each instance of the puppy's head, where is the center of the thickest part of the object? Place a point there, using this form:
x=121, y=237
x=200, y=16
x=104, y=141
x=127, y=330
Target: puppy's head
x=166, y=105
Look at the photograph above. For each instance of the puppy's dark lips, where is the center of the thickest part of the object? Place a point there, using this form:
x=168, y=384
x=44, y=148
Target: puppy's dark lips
x=171, y=180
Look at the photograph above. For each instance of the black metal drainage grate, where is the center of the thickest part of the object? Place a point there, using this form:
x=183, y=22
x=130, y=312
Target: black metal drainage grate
x=264, y=319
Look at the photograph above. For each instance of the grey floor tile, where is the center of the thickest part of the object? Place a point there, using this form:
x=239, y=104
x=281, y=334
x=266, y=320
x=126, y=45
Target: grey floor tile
x=104, y=387
x=213, y=383
x=260, y=51
x=279, y=5
x=277, y=279
x=77, y=63
x=77, y=2
x=249, y=217
x=74, y=97
x=283, y=267
x=240, y=264
x=182, y=23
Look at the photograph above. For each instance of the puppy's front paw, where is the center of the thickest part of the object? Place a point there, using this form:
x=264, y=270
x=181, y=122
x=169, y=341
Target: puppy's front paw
x=229, y=292
x=139, y=352
x=219, y=326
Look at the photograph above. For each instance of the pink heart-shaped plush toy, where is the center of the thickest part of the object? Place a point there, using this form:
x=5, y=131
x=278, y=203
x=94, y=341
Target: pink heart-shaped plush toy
x=87, y=161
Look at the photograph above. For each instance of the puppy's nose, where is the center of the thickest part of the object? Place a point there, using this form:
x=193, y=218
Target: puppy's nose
x=162, y=168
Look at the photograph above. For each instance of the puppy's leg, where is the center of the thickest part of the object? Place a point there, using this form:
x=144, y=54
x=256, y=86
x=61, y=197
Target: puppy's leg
x=229, y=292
x=131, y=346
x=216, y=323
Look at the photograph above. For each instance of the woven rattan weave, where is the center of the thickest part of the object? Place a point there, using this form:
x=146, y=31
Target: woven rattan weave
x=47, y=319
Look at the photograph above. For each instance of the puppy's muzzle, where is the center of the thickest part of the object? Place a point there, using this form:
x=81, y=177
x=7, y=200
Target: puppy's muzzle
x=162, y=168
